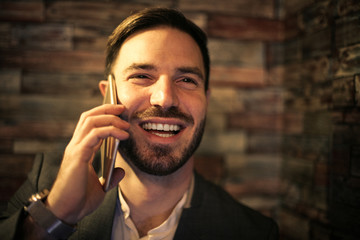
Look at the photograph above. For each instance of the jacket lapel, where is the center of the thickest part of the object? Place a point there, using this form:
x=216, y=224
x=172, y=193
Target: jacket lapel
x=98, y=225
x=190, y=226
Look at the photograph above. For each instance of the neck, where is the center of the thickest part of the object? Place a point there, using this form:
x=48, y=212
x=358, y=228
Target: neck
x=152, y=198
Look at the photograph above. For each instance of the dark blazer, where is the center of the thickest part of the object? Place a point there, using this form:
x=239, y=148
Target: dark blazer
x=213, y=214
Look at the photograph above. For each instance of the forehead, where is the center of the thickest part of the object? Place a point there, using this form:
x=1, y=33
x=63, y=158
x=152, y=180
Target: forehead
x=160, y=45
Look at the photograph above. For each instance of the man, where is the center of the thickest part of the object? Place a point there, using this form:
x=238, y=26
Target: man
x=160, y=62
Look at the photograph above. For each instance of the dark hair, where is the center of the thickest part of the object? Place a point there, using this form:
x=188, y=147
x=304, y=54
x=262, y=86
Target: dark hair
x=150, y=18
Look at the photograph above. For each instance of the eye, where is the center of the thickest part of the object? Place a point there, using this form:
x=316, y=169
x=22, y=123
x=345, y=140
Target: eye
x=138, y=76
x=189, y=80
x=188, y=83
x=141, y=76
x=140, y=79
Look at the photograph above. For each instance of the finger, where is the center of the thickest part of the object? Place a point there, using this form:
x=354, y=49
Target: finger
x=98, y=122
x=106, y=109
x=106, y=120
x=96, y=135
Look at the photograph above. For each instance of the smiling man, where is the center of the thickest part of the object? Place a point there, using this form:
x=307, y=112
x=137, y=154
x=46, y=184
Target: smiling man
x=160, y=78
x=160, y=64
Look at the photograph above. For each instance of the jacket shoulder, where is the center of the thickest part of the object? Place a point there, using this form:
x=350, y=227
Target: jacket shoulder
x=215, y=214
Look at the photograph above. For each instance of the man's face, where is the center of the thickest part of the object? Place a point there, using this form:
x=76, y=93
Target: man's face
x=160, y=79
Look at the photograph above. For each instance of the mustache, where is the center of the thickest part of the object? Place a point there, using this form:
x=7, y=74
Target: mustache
x=156, y=111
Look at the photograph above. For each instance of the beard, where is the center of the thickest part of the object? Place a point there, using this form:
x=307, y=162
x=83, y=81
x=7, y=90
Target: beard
x=157, y=159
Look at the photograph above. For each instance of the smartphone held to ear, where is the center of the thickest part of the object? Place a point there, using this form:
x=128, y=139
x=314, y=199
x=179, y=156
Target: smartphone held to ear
x=110, y=144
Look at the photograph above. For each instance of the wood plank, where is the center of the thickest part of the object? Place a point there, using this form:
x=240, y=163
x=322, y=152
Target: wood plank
x=10, y=80
x=63, y=61
x=347, y=31
x=42, y=129
x=245, y=28
x=238, y=77
x=348, y=61
x=292, y=27
x=89, y=37
x=316, y=70
x=293, y=122
x=293, y=51
x=292, y=76
x=274, y=54
x=11, y=58
x=318, y=123
x=6, y=144
x=103, y=15
x=22, y=11
x=225, y=100
x=236, y=53
x=312, y=147
x=262, y=142
x=261, y=100
x=39, y=146
x=50, y=83
x=345, y=7
x=251, y=8
x=275, y=76
x=316, y=17
x=211, y=167
x=349, y=117
x=47, y=36
x=37, y=108
x=72, y=61
x=294, y=6
x=357, y=90
x=5, y=35
x=343, y=92
x=261, y=187
x=222, y=143
x=256, y=122
x=317, y=44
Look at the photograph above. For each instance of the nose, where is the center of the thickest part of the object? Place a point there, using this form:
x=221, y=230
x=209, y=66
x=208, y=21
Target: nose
x=164, y=93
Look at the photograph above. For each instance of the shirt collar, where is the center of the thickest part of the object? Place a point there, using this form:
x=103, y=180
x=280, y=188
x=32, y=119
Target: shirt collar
x=169, y=226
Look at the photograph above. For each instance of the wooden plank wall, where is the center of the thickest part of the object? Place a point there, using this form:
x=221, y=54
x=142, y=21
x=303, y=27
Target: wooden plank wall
x=283, y=115
x=52, y=57
x=321, y=181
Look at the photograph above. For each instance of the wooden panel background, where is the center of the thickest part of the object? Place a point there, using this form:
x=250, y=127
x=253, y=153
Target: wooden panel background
x=283, y=115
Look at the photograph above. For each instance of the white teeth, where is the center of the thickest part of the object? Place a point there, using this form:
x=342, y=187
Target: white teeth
x=164, y=134
x=161, y=127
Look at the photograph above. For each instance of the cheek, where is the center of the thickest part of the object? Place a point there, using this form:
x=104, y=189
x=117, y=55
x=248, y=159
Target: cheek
x=197, y=109
x=131, y=99
x=124, y=97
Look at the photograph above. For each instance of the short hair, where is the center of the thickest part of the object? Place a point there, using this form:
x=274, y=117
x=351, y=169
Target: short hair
x=150, y=18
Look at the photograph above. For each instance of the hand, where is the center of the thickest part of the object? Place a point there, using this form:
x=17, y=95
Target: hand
x=77, y=190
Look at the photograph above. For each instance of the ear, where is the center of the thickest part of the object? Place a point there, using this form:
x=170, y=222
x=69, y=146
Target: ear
x=208, y=93
x=103, y=86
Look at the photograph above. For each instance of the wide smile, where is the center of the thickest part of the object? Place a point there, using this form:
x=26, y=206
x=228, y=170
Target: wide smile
x=164, y=130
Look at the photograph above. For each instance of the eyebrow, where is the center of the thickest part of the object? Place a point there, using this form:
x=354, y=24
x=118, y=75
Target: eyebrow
x=136, y=66
x=182, y=70
x=191, y=70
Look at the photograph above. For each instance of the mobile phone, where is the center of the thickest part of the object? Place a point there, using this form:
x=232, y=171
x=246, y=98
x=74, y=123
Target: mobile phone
x=110, y=144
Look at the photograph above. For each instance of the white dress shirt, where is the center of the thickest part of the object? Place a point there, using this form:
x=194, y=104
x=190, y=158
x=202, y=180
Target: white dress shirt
x=124, y=228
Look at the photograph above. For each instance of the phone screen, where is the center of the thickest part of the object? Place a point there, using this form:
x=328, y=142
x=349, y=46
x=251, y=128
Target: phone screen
x=110, y=144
